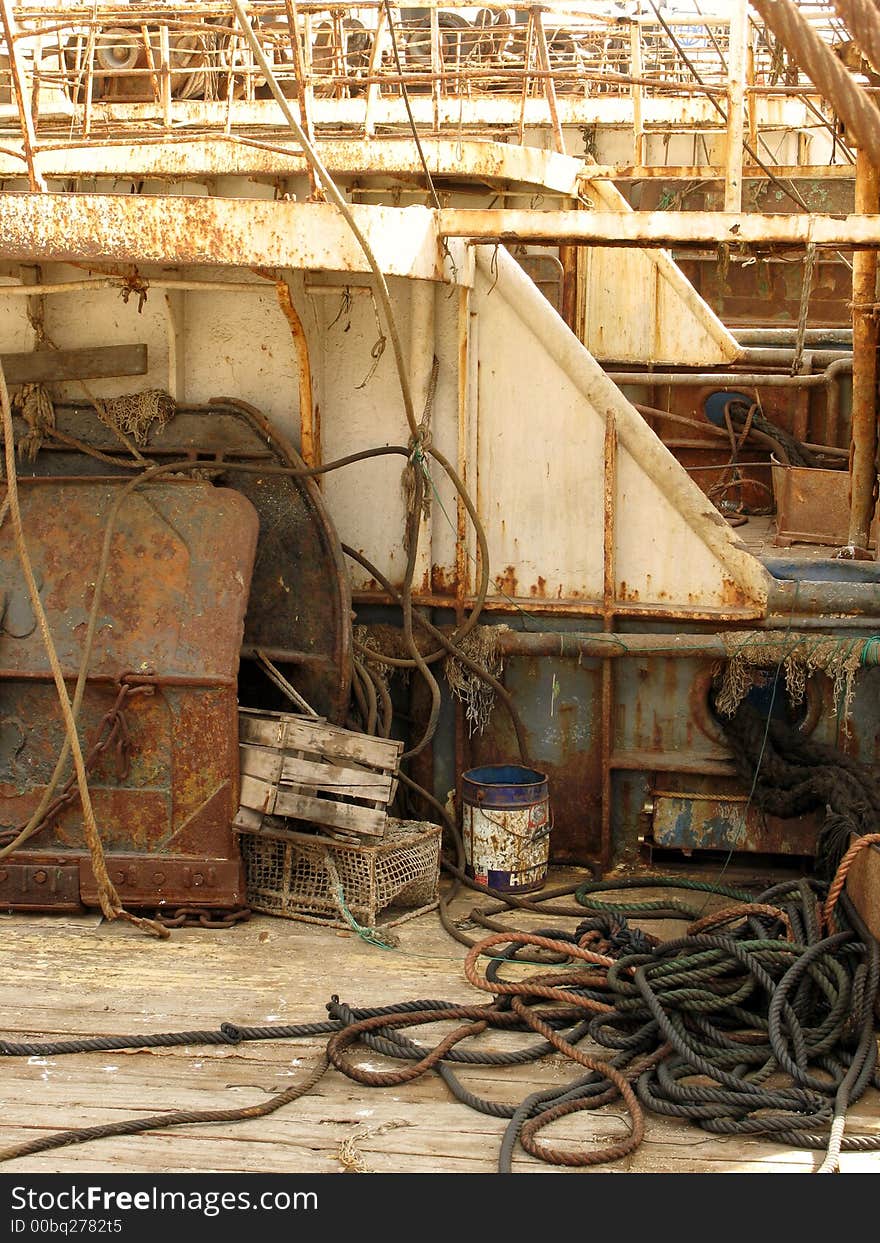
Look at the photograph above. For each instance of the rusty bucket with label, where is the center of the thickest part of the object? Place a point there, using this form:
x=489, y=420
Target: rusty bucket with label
x=506, y=826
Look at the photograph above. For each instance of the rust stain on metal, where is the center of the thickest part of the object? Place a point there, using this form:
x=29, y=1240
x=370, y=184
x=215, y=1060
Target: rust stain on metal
x=442, y=582
x=506, y=582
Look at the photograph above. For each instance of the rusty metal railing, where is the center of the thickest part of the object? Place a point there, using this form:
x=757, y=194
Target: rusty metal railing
x=164, y=64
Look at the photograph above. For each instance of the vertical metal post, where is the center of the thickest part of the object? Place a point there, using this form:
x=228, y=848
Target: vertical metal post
x=175, y=317
x=151, y=63
x=165, y=74
x=549, y=84
x=863, y=471
x=28, y=136
x=90, y=81
x=568, y=256
x=339, y=46
x=375, y=63
x=466, y=463
x=635, y=42
x=302, y=87
x=527, y=56
x=230, y=83
x=436, y=67
x=609, y=593
x=736, y=73
x=466, y=387
x=751, y=98
x=421, y=364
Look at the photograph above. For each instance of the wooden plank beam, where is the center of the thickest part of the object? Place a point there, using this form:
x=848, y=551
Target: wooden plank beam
x=97, y=363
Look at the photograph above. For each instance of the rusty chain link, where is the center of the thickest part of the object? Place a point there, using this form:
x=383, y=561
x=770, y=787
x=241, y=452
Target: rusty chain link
x=201, y=917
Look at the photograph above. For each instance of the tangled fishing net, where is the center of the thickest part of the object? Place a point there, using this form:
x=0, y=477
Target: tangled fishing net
x=132, y=414
x=136, y=413
x=754, y=659
x=480, y=646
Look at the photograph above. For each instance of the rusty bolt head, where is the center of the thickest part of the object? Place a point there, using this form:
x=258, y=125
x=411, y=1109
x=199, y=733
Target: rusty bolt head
x=198, y=878
x=41, y=876
x=158, y=878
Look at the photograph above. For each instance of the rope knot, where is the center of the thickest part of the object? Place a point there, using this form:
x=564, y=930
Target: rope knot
x=134, y=284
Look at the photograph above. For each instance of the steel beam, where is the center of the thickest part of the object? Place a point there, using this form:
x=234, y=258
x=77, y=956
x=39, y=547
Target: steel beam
x=662, y=228
x=135, y=228
x=216, y=155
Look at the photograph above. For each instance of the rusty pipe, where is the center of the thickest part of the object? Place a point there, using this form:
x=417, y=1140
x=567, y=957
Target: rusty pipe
x=785, y=336
x=832, y=397
x=607, y=645
x=723, y=379
x=762, y=356
x=863, y=471
x=310, y=440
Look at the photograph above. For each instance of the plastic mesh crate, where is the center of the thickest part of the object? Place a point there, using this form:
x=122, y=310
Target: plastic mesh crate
x=298, y=875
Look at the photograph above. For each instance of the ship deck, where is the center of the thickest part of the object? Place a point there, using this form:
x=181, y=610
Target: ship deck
x=64, y=974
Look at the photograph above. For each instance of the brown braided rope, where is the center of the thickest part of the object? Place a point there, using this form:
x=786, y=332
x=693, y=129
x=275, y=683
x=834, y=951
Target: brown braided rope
x=559, y=1156
x=602, y=1067
x=742, y=910
x=863, y=23
x=533, y=988
x=860, y=844
x=481, y=1017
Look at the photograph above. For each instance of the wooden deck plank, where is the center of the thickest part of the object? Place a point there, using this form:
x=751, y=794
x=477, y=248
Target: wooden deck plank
x=63, y=975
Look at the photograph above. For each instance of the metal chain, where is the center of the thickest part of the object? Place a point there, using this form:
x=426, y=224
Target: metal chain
x=202, y=917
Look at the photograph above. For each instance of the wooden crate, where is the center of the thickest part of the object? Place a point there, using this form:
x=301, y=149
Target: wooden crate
x=305, y=769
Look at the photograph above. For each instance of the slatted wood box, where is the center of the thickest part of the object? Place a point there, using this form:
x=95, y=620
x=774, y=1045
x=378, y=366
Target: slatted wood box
x=305, y=769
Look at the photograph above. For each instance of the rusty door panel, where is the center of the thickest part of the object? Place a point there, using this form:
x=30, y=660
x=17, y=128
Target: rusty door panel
x=170, y=626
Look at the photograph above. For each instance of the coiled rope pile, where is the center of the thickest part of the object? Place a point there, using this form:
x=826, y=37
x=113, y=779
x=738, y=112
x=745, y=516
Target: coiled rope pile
x=759, y=1022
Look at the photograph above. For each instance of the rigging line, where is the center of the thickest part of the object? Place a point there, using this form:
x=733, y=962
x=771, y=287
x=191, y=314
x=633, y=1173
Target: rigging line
x=409, y=112
x=338, y=199
x=793, y=194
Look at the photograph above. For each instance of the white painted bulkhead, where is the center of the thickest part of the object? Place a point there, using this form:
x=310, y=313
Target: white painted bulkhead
x=520, y=407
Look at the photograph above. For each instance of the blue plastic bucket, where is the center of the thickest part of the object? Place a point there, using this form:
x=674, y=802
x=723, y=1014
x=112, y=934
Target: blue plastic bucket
x=506, y=826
